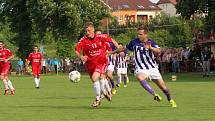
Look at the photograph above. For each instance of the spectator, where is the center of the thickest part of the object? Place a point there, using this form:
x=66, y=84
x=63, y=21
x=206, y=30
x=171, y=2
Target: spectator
x=56, y=64
x=212, y=34
x=213, y=63
x=175, y=63
x=206, y=57
x=20, y=66
x=49, y=63
x=44, y=64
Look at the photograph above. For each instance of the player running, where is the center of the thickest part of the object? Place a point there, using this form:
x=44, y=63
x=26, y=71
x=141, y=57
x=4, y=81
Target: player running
x=145, y=50
x=35, y=59
x=5, y=56
x=111, y=63
x=94, y=48
x=121, y=67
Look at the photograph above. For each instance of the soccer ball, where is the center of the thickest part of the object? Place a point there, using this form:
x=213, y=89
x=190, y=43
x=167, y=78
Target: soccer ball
x=74, y=76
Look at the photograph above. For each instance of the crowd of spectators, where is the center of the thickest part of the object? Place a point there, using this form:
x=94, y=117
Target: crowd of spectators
x=48, y=65
x=171, y=60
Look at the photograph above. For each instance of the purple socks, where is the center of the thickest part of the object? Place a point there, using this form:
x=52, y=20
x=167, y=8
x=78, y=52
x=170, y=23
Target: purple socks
x=147, y=87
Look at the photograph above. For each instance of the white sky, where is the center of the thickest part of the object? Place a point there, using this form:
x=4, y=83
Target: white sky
x=154, y=1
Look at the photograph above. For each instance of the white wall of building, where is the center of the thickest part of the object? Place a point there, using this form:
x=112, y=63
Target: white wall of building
x=168, y=8
x=148, y=13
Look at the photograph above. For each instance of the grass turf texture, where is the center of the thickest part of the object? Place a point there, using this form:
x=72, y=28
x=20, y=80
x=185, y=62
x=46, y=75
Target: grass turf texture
x=58, y=99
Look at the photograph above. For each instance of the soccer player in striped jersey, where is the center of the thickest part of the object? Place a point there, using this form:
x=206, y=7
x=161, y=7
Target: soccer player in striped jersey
x=145, y=51
x=5, y=56
x=121, y=66
x=110, y=70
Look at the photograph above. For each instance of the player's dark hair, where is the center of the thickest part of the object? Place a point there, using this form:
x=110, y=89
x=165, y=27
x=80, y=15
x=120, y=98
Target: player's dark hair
x=1, y=41
x=36, y=46
x=120, y=43
x=143, y=28
x=89, y=24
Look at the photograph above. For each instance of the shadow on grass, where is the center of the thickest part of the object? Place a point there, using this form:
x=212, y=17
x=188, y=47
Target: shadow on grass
x=88, y=107
x=64, y=97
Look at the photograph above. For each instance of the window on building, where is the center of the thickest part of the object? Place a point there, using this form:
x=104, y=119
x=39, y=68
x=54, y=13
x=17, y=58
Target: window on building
x=150, y=17
x=140, y=6
x=125, y=6
x=152, y=6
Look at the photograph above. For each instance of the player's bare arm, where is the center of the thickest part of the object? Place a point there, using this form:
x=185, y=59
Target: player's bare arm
x=156, y=51
x=115, y=43
x=118, y=50
x=6, y=60
x=83, y=58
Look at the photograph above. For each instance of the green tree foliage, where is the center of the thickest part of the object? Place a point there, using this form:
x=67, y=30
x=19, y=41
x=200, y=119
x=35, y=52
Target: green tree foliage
x=161, y=37
x=17, y=14
x=165, y=30
x=177, y=30
x=6, y=35
x=64, y=19
x=187, y=8
x=65, y=48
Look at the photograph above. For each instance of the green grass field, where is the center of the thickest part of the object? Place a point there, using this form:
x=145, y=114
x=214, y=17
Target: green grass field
x=60, y=100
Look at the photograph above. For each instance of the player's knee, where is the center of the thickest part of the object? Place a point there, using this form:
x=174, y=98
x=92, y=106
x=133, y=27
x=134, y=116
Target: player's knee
x=2, y=77
x=140, y=77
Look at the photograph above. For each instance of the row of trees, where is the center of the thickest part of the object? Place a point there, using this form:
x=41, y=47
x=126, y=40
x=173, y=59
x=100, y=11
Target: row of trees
x=59, y=23
x=165, y=30
x=33, y=20
x=188, y=9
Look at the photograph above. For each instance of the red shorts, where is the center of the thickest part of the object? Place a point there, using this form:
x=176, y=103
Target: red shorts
x=4, y=69
x=100, y=68
x=36, y=69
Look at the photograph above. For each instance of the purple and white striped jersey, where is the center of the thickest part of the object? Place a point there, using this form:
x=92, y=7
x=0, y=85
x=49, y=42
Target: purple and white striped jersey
x=144, y=58
x=121, y=61
x=110, y=58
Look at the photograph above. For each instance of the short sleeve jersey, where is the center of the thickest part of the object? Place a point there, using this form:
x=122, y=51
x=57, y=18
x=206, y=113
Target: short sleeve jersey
x=95, y=48
x=5, y=54
x=35, y=58
x=144, y=58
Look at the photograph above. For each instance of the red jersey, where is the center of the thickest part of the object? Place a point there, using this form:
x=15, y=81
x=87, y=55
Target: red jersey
x=35, y=58
x=5, y=54
x=95, y=49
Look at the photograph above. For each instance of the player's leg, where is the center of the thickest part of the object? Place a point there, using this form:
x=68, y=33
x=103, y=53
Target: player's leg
x=157, y=78
x=38, y=75
x=125, y=76
x=161, y=84
x=105, y=89
x=110, y=71
x=96, y=86
x=141, y=77
x=119, y=77
x=106, y=83
x=10, y=85
x=6, y=81
x=6, y=88
x=35, y=74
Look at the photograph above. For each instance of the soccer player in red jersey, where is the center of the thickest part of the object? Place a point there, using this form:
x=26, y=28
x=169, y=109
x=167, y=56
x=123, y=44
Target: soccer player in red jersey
x=5, y=56
x=94, y=54
x=35, y=59
x=110, y=67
